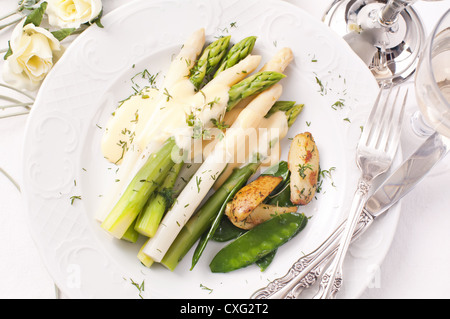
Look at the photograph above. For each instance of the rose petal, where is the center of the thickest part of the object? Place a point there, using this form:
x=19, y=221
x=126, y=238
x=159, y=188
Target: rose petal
x=18, y=80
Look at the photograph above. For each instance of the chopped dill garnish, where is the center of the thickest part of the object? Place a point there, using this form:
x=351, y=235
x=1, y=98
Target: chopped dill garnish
x=220, y=124
x=198, y=180
x=140, y=288
x=215, y=101
x=302, y=169
x=166, y=93
x=206, y=288
x=339, y=104
x=73, y=198
x=322, y=87
x=145, y=75
x=322, y=175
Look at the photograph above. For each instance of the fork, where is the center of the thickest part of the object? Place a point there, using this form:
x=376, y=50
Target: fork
x=304, y=273
x=376, y=151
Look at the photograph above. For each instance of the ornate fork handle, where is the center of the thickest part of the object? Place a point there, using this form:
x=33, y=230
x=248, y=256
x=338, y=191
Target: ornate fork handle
x=305, y=272
x=332, y=279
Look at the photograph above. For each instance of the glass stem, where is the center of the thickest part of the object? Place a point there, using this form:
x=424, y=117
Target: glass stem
x=389, y=14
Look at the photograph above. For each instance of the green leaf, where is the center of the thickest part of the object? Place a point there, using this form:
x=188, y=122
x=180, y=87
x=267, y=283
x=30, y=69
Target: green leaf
x=35, y=17
x=97, y=20
x=9, y=52
x=63, y=33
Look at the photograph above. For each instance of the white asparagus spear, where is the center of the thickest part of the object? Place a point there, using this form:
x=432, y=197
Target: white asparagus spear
x=201, y=183
x=174, y=112
x=278, y=63
x=177, y=72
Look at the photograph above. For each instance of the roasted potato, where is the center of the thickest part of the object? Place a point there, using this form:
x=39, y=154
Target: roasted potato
x=260, y=214
x=251, y=196
x=303, y=161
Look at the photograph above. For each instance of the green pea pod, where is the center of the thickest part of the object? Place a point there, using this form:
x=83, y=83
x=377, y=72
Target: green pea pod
x=264, y=262
x=227, y=231
x=258, y=242
x=282, y=198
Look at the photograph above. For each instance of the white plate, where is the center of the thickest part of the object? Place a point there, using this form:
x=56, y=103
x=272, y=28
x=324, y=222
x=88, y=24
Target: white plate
x=62, y=157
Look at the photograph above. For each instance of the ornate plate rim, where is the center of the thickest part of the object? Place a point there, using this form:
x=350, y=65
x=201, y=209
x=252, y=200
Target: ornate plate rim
x=29, y=189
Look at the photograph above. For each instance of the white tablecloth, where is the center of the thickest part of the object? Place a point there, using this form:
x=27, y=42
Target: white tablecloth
x=415, y=267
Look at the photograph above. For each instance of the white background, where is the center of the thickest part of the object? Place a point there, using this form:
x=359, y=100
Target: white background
x=415, y=267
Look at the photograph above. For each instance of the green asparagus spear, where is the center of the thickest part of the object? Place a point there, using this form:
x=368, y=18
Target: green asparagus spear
x=146, y=181
x=209, y=60
x=150, y=217
x=283, y=106
x=207, y=236
x=205, y=216
x=293, y=113
x=252, y=85
x=291, y=109
x=237, y=53
x=131, y=235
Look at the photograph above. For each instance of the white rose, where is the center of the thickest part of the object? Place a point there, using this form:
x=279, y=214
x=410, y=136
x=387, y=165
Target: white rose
x=72, y=13
x=34, y=52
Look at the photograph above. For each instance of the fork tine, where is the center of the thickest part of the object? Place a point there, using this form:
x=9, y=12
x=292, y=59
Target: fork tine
x=380, y=122
x=392, y=143
x=368, y=127
x=376, y=119
x=388, y=123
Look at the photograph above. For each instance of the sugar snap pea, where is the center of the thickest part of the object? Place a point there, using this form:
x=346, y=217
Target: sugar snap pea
x=282, y=198
x=258, y=242
x=265, y=262
x=227, y=231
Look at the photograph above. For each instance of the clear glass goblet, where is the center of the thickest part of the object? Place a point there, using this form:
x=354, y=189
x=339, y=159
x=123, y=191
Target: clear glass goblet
x=432, y=81
x=432, y=86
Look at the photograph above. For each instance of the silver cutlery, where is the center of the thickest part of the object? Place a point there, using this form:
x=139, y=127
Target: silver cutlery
x=305, y=272
x=307, y=269
x=375, y=153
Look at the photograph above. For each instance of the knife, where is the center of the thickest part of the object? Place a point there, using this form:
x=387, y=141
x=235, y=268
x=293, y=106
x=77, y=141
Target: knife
x=408, y=175
x=305, y=272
